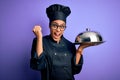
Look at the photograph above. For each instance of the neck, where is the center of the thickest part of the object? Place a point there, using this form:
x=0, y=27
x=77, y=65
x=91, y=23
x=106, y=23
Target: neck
x=57, y=40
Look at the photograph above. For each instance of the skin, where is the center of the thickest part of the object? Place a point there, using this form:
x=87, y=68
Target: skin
x=56, y=35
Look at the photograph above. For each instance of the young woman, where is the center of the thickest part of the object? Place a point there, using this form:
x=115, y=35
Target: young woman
x=54, y=55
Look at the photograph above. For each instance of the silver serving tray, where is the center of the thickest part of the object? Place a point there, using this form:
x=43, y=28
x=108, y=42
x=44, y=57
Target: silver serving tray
x=89, y=43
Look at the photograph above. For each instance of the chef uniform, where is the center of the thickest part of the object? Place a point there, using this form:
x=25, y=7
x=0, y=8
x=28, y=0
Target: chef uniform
x=58, y=60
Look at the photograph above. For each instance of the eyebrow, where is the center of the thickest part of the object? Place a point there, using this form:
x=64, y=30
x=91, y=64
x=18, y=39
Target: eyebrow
x=57, y=23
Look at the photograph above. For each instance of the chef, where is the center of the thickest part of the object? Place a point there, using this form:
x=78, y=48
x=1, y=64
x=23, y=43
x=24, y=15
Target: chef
x=53, y=55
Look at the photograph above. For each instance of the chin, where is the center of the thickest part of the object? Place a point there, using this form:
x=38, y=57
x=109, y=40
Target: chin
x=57, y=38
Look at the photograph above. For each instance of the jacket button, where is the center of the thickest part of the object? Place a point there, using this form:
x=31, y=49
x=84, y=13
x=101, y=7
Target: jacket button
x=37, y=62
x=65, y=54
x=55, y=54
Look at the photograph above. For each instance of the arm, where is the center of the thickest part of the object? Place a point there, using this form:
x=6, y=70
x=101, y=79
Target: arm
x=38, y=60
x=79, y=51
x=78, y=60
x=38, y=34
x=78, y=54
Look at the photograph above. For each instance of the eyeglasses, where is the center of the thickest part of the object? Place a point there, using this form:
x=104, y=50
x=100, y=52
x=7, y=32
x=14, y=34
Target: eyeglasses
x=56, y=26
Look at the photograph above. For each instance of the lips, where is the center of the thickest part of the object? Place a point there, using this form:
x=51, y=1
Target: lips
x=57, y=35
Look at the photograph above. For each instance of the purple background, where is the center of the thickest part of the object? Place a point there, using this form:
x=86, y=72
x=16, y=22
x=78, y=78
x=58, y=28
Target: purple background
x=17, y=18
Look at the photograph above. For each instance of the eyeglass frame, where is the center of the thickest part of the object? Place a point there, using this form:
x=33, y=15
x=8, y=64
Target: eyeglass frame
x=56, y=26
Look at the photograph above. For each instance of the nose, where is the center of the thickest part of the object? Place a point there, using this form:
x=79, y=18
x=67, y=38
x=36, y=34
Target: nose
x=58, y=29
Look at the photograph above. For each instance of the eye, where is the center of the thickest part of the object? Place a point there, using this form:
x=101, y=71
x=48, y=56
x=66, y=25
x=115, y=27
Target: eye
x=62, y=27
x=54, y=26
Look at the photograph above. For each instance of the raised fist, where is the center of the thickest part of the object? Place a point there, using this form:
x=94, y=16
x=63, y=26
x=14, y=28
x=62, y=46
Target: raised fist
x=37, y=30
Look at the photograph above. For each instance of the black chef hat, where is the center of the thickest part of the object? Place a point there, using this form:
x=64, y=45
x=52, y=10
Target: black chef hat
x=58, y=12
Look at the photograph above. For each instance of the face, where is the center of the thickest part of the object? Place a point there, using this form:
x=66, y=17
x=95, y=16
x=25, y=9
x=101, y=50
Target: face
x=57, y=28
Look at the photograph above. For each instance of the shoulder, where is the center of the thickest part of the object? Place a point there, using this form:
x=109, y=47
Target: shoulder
x=44, y=38
x=68, y=41
x=70, y=45
x=47, y=37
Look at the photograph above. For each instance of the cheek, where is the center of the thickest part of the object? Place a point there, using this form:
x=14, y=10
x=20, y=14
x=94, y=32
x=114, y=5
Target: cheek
x=62, y=32
x=51, y=32
x=54, y=31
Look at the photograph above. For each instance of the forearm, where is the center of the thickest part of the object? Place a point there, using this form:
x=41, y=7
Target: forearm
x=39, y=46
x=78, y=62
x=37, y=63
x=78, y=55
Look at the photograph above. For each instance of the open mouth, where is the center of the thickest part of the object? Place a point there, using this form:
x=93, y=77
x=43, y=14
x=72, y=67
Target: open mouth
x=57, y=35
